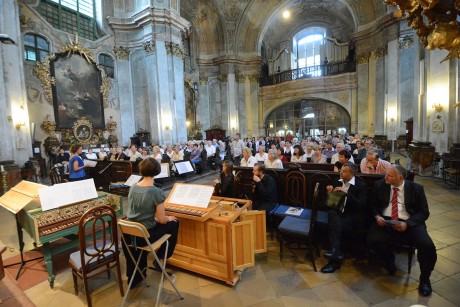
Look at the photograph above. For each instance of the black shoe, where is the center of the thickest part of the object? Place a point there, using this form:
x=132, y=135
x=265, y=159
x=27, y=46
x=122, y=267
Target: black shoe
x=331, y=267
x=425, y=288
x=334, y=254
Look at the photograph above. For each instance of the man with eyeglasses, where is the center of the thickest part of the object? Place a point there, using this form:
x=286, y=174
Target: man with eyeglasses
x=351, y=217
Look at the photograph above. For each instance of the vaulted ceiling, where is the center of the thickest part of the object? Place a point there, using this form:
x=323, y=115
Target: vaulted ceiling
x=238, y=27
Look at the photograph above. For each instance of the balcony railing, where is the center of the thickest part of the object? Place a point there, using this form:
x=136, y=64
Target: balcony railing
x=309, y=72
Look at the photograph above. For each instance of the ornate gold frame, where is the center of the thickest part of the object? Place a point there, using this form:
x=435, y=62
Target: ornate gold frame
x=77, y=129
x=43, y=73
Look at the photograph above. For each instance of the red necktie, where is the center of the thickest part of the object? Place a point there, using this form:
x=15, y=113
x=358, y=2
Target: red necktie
x=394, y=204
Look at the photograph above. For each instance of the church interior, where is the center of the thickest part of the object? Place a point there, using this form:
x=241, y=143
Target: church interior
x=113, y=73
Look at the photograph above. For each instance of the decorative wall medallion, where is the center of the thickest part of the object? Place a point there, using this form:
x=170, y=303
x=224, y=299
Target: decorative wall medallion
x=82, y=130
x=438, y=125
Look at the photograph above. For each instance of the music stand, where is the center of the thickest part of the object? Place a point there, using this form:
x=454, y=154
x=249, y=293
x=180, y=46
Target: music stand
x=14, y=201
x=184, y=167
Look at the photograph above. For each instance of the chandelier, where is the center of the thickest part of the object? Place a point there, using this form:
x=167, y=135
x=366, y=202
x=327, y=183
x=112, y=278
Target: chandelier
x=436, y=22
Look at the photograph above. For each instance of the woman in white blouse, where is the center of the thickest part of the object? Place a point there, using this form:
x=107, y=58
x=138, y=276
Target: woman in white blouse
x=309, y=152
x=247, y=160
x=157, y=154
x=273, y=161
x=299, y=155
x=261, y=156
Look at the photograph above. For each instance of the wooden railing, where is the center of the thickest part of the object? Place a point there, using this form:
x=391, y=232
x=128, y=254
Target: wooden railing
x=309, y=72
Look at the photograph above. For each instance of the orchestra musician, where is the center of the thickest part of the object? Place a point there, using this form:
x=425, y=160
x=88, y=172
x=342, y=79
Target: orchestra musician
x=224, y=186
x=145, y=206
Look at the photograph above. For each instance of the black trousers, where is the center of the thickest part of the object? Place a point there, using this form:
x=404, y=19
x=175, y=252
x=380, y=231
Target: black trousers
x=339, y=223
x=379, y=239
x=156, y=232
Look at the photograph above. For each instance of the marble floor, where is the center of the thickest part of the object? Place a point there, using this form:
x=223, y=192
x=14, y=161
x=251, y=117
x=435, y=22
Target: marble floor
x=290, y=281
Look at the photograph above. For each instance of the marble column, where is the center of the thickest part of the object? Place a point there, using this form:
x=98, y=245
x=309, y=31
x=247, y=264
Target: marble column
x=204, y=107
x=15, y=143
x=372, y=68
x=438, y=95
x=362, y=72
x=407, y=89
x=128, y=122
x=232, y=104
x=393, y=105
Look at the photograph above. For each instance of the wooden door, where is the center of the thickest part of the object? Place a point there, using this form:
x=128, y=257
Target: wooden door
x=243, y=245
x=259, y=230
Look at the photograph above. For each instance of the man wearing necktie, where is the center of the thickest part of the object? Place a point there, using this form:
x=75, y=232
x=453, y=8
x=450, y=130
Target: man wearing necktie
x=400, y=209
x=353, y=215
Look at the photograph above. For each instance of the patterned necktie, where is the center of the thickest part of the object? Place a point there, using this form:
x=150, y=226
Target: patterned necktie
x=394, y=205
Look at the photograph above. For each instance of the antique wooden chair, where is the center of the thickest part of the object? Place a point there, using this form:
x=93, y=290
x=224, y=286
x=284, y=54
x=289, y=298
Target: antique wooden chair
x=96, y=255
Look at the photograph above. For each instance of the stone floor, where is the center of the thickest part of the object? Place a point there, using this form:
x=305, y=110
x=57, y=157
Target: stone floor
x=292, y=281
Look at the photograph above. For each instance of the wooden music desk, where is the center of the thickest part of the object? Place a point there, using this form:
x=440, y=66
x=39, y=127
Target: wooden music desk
x=222, y=242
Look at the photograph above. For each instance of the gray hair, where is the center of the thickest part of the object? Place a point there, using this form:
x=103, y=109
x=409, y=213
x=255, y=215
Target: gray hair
x=353, y=167
x=273, y=152
x=399, y=169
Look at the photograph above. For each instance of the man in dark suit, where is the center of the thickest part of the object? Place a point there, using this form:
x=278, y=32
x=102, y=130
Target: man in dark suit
x=265, y=194
x=352, y=216
x=400, y=209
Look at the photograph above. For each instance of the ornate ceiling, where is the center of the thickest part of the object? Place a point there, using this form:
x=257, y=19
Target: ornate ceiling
x=238, y=27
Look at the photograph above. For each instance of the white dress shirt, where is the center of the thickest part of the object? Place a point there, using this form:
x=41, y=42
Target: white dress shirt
x=275, y=164
x=250, y=162
x=402, y=213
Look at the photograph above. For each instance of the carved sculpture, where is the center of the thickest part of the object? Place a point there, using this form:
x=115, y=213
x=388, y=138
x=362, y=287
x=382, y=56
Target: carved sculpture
x=436, y=22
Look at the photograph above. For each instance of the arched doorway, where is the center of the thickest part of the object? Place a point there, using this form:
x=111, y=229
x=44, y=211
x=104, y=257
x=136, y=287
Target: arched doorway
x=308, y=117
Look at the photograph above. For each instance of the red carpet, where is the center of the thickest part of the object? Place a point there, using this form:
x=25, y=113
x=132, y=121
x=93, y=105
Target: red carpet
x=34, y=272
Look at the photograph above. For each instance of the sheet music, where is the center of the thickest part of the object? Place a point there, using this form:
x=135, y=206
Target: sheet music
x=294, y=211
x=20, y=195
x=184, y=167
x=195, y=195
x=132, y=180
x=90, y=163
x=164, y=171
x=67, y=193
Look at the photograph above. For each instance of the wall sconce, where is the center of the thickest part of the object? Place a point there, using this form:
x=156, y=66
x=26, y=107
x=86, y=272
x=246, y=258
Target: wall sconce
x=285, y=127
x=392, y=120
x=437, y=107
x=5, y=39
x=187, y=123
x=166, y=127
x=19, y=117
x=271, y=125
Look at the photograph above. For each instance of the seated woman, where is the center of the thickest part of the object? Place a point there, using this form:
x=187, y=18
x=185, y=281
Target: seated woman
x=157, y=154
x=309, y=152
x=195, y=155
x=224, y=186
x=344, y=156
x=281, y=156
x=261, y=155
x=318, y=157
x=273, y=161
x=247, y=160
x=91, y=155
x=145, y=206
x=299, y=155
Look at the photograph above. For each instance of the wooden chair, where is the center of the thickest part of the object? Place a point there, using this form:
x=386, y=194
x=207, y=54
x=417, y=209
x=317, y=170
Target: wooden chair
x=55, y=176
x=96, y=255
x=301, y=230
x=138, y=230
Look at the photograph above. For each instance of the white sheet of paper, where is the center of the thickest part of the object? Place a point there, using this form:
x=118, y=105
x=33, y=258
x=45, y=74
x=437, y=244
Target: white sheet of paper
x=294, y=211
x=132, y=180
x=67, y=193
x=90, y=163
x=191, y=195
x=184, y=167
x=36, y=149
x=164, y=171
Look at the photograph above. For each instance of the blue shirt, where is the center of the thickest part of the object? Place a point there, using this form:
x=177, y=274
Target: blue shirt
x=76, y=174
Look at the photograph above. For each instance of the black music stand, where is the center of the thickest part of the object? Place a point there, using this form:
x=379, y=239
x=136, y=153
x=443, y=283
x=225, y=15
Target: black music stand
x=21, y=249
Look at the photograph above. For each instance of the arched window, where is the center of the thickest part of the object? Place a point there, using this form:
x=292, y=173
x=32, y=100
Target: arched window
x=36, y=48
x=107, y=63
x=73, y=16
x=307, y=48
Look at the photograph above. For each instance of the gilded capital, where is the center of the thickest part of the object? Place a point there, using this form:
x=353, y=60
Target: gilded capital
x=406, y=42
x=121, y=53
x=380, y=52
x=254, y=78
x=149, y=47
x=223, y=78
x=240, y=78
x=174, y=49
x=203, y=80
x=362, y=58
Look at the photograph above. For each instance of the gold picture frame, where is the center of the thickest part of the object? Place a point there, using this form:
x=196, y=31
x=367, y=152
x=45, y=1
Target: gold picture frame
x=83, y=130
